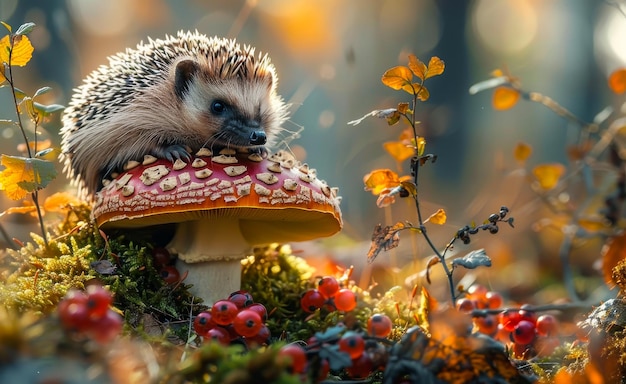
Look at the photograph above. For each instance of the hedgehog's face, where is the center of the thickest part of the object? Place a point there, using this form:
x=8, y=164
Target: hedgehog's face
x=233, y=112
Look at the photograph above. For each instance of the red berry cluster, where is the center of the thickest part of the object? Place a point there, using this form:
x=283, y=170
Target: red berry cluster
x=164, y=263
x=364, y=353
x=529, y=335
x=235, y=318
x=328, y=295
x=90, y=314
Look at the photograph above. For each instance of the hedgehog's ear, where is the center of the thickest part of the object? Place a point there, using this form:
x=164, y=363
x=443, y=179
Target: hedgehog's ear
x=185, y=70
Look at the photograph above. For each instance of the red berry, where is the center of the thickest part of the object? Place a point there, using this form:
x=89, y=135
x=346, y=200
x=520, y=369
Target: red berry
x=106, y=328
x=352, y=343
x=311, y=301
x=477, y=292
x=524, y=332
x=203, y=323
x=487, y=325
x=328, y=286
x=260, y=309
x=241, y=298
x=494, y=299
x=247, y=323
x=218, y=334
x=345, y=300
x=73, y=311
x=161, y=257
x=261, y=338
x=509, y=319
x=465, y=305
x=361, y=367
x=170, y=274
x=224, y=312
x=379, y=325
x=296, y=357
x=98, y=301
x=547, y=325
x=525, y=314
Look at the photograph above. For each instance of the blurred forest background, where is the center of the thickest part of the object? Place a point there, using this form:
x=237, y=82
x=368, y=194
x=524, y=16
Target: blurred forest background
x=330, y=55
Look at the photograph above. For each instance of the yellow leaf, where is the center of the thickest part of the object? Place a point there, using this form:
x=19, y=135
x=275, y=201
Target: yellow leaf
x=21, y=52
x=497, y=73
x=22, y=209
x=398, y=150
x=438, y=217
x=522, y=152
x=397, y=77
x=60, y=201
x=380, y=179
x=548, y=175
x=417, y=67
x=16, y=173
x=504, y=98
x=617, y=81
x=420, y=145
x=423, y=93
x=403, y=107
x=436, y=67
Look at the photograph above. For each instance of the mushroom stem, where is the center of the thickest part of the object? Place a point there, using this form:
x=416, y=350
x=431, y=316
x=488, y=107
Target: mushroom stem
x=210, y=254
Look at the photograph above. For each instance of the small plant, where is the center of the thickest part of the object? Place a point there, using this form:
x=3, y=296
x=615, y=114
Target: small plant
x=387, y=184
x=29, y=174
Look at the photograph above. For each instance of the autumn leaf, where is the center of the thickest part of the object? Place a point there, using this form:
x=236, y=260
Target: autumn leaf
x=24, y=175
x=398, y=150
x=384, y=239
x=504, y=98
x=434, y=260
x=436, y=67
x=381, y=179
x=23, y=209
x=21, y=52
x=59, y=202
x=522, y=152
x=617, y=81
x=403, y=108
x=417, y=67
x=438, y=217
x=613, y=251
x=420, y=145
x=389, y=114
x=422, y=92
x=397, y=77
x=548, y=175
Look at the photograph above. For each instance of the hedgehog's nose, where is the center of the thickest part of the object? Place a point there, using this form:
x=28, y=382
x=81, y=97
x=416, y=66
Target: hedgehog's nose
x=258, y=137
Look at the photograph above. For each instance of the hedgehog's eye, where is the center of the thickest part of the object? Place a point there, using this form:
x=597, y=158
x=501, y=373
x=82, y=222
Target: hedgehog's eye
x=218, y=107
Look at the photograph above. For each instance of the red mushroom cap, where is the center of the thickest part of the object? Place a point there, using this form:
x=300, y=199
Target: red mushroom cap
x=275, y=199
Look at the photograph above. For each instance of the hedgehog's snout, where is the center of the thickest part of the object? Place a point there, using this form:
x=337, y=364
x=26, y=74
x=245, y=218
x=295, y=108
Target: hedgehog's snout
x=258, y=137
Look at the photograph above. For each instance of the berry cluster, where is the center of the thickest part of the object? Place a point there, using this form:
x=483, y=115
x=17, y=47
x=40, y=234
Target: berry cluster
x=491, y=225
x=89, y=314
x=528, y=334
x=237, y=318
x=361, y=354
x=328, y=295
x=164, y=263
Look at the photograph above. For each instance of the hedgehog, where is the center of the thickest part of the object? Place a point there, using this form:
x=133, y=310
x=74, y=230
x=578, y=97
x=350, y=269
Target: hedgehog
x=168, y=98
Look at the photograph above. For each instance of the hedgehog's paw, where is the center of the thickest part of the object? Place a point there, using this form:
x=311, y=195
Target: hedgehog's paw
x=173, y=153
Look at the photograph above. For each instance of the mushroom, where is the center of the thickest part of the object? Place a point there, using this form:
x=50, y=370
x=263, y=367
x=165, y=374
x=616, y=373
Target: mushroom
x=224, y=204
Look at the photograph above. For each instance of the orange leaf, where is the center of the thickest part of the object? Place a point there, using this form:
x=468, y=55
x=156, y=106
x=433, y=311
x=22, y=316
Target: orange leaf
x=22, y=209
x=617, y=81
x=435, y=67
x=21, y=53
x=438, y=217
x=548, y=175
x=403, y=107
x=398, y=150
x=58, y=202
x=423, y=92
x=380, y=179
x=504, y=98
x=397, y=77
x=417, y=67
x=613, y=251
x=522, y=152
